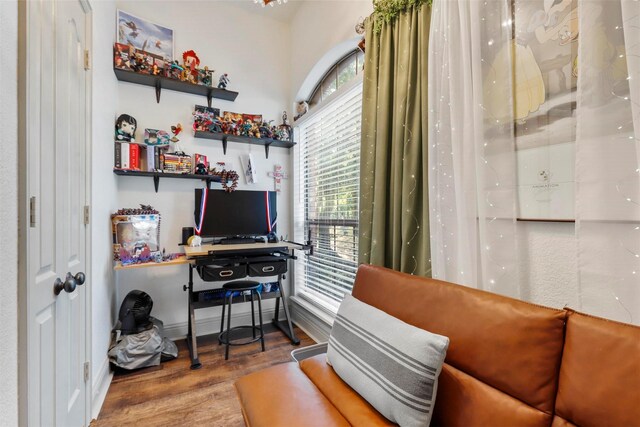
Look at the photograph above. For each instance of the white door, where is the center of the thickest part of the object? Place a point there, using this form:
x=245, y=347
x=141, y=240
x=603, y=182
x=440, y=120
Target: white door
x=56, y=117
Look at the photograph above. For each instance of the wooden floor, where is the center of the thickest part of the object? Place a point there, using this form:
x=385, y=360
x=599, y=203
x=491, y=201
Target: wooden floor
x=174, y=395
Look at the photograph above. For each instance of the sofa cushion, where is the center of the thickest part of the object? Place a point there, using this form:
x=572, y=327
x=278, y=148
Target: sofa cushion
x=391, y=364
x=282, y=396
x=464, y=401
x=508, y=344
x=350, y=404
x=600, y=373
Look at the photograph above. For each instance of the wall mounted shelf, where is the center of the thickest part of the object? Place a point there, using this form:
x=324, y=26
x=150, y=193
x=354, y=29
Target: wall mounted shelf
x=166, y=83
x=266, y=142
x=157, y=175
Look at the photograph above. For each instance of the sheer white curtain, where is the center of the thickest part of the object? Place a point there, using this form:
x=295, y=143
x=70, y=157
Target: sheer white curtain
x=472, y=177
x=608, y=159
x=472, y=159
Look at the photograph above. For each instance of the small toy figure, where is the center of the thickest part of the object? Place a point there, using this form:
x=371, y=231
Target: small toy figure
x=126, y=127
x=302, y=108
x=224, y=81
x=254, y=131
x=190, y=61
x=201, y=169
x=174, y=70
x=157, y=256
x=206, y=78
x=216, y=125
x=265, y=130
x=246, y=128
x=175, y=130
x=284, y=130
x=133, y=63
x=142, y=63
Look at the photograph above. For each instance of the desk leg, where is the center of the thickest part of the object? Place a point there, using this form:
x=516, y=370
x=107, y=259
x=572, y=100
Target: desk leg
x=287, y=328
x=191, y=331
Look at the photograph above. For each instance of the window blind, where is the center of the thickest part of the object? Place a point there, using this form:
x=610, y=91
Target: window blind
x=327, y=189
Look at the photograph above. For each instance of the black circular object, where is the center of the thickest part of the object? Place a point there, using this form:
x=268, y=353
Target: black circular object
x=241, y=285
x=135, y=313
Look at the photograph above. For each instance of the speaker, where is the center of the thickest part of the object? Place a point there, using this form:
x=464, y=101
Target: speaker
x=186, y=233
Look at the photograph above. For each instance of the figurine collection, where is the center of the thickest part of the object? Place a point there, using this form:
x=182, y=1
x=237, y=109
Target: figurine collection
x=207, y=119
x=126, y=57
x=153, y=155
x=161, y=151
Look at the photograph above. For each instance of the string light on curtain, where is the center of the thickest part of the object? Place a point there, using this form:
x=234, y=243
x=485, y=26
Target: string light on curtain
x=263, y=3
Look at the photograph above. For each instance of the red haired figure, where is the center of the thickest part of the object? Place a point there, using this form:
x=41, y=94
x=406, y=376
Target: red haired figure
x=190, y=61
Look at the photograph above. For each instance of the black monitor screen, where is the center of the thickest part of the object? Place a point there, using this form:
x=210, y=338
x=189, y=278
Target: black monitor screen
x=239, y=213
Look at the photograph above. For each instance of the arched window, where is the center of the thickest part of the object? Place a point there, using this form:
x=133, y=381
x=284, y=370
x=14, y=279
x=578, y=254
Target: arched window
x=345, y=70
x=327, y=169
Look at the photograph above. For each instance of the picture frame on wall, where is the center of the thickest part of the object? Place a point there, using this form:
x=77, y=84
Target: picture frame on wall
x=545, y=52
x=144, y=35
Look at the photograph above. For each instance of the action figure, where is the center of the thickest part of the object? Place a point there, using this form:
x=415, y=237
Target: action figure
x=205, y=76
x=175, y=130
x=126, y=128
x=224, y=81
x=190, y=62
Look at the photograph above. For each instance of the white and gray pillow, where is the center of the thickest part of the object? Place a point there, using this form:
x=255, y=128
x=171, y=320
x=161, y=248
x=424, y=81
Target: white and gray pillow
x=391, y=364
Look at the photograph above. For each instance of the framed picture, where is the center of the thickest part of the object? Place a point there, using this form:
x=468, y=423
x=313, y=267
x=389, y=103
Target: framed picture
x=545, y=46
x=144, y=35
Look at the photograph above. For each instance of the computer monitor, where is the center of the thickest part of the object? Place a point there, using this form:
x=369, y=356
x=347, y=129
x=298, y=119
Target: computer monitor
x=221, y=214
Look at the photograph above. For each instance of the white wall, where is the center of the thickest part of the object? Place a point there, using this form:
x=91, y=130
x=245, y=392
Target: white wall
x=253, y=49
x=9, y=213
x=548, y=264
x=103, y=192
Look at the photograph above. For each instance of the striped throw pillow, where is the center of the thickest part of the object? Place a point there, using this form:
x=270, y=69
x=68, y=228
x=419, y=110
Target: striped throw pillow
x=394, y=366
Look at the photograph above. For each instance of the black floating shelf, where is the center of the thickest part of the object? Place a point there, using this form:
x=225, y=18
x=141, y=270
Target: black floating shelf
x=160, y=83
x=157, y=175
x=267, y=142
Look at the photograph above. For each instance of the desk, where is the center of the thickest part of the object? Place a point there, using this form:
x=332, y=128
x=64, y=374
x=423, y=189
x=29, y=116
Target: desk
x=230, y=262
x=178, y=261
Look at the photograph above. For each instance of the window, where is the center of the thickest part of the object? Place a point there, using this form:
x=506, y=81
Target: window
x=338, y=76
x=327, y=189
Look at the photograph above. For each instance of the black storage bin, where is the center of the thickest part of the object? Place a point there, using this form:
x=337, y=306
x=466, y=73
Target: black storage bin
x=215, y=273
x=264, y=269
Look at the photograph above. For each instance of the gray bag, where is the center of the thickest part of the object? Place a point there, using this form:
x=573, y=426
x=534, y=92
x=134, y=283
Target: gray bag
x=141, y=350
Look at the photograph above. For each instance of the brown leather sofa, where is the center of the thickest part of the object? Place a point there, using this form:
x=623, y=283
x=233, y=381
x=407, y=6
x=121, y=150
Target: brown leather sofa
x=509, y=363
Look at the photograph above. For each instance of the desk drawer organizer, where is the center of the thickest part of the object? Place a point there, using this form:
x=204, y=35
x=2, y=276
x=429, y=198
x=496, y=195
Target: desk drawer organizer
x=215, y=273
x=264, y=269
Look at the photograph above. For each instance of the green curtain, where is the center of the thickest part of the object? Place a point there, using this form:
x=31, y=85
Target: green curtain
x=394, y=200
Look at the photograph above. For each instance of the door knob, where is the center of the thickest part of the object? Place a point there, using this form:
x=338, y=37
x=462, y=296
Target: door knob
x=70, y=283
x=80, y=278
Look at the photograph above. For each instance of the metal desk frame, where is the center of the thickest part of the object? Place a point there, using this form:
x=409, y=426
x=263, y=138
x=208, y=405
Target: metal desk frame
x=219, y=254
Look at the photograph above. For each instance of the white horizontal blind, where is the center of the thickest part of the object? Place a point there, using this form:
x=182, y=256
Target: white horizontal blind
x=328, y=172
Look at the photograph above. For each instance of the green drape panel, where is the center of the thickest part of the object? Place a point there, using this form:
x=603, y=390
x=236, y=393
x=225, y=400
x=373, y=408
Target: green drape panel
x=394, y=200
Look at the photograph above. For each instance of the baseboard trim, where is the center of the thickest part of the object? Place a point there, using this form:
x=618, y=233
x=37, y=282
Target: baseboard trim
x=100, y=387
x=313, y=324
x=211, y=325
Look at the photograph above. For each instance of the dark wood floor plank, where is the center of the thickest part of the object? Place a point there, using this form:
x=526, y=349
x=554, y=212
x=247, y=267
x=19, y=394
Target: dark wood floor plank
x=174, y=395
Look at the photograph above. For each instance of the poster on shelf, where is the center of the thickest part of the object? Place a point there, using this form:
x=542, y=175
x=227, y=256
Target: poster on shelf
x=144, y=35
